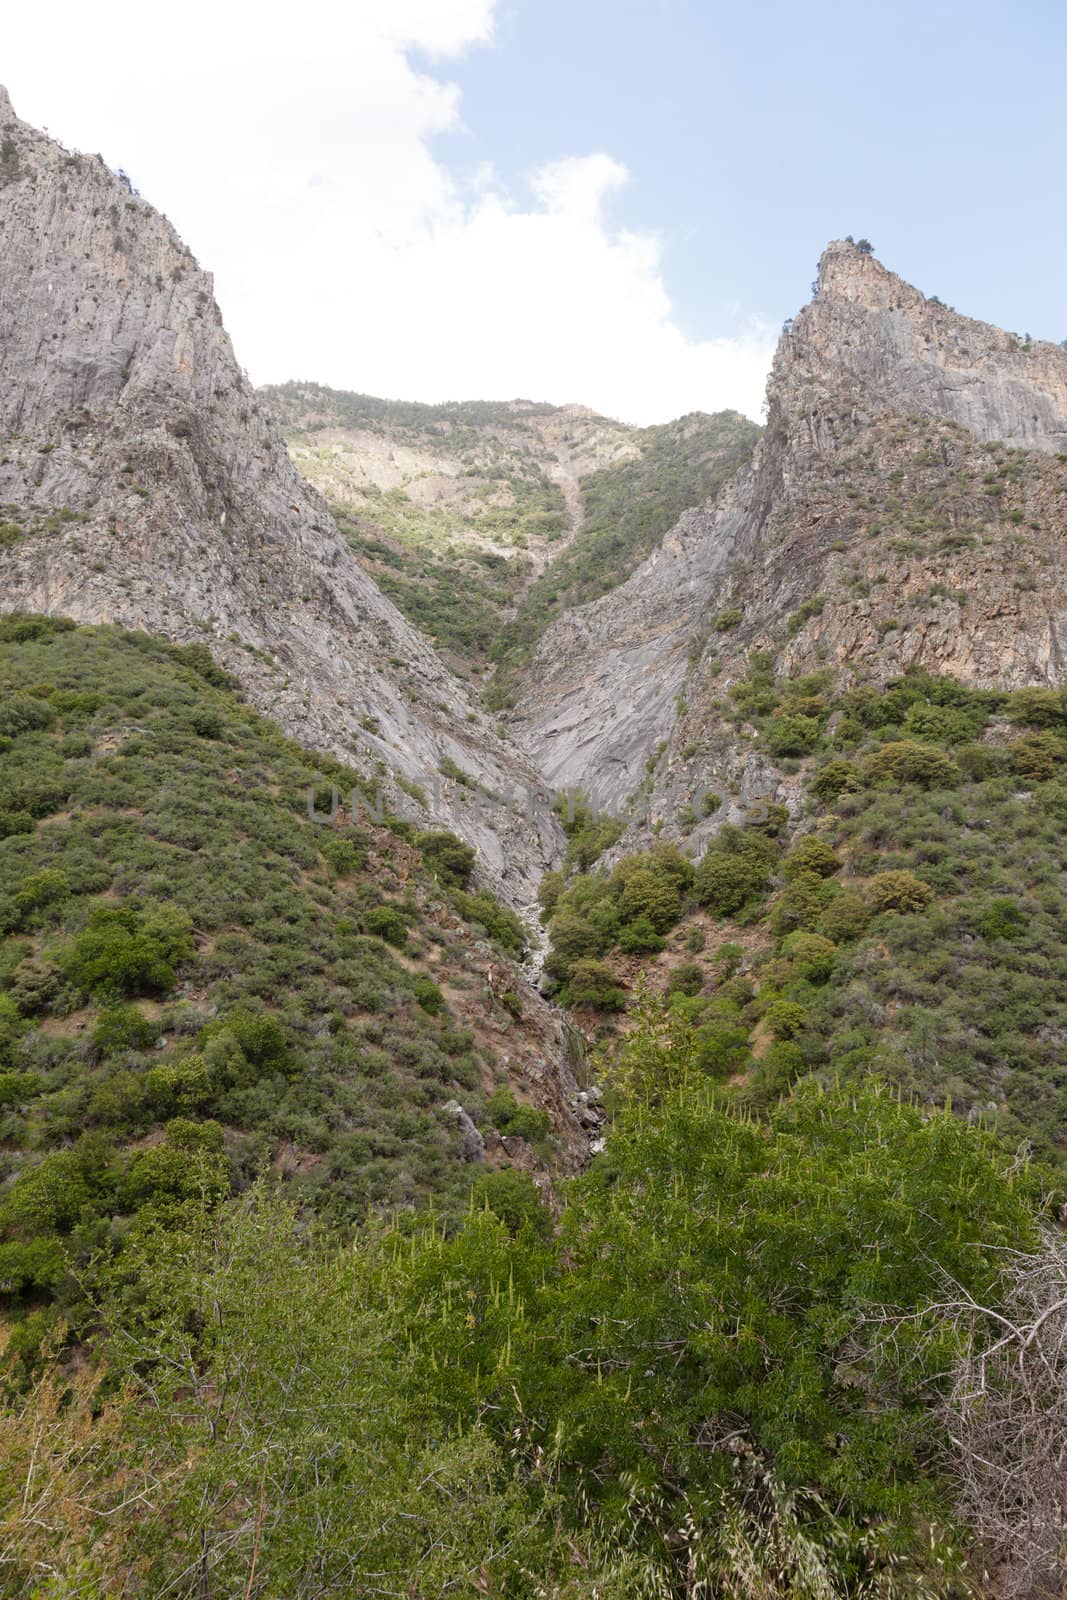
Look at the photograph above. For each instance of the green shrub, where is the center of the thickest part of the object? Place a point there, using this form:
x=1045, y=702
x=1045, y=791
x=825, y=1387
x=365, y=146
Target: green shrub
x=806, y=610
x=768, y=817
x=1038, y=708
x=897, y=891
x=811, y=954
x=260, y=1037
x=785, y=1018
x=549, y=891
x=844, y=918
x=736, y=867
x=1037, y=757
x=41, y=889
x=14, y=821
x=429, y=996
x=811, y=854
x=979, y=762
x=687, y=979
x=170, y=1174
x=206, y=722
x=32, y=985
x=22, y=713
x=592, y=983
x=128, y=949
x=834, y=779
x=499, y=921
x=344, y=856
x=514, y=1197
x=123, y=1028
x=510, y=1117
x=588, y=834
x=1001, y=919
x=724, y=882
x=176, y=1087
x=1051, y=798
x=199, y=660
x=574, y=936
x=906, y=761
x=18, y=1087
x=48, y=1198
x=936, y=724
x=728, y=957
x=447, y=858
x=387, y=923
x=777, y=1071
x=793, y=735
x=649, y=894
x=640, y=938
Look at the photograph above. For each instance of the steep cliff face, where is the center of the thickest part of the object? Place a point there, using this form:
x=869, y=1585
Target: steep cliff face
x=143, y=482
x=903, y=509
x=876, y=343
x=601, y=691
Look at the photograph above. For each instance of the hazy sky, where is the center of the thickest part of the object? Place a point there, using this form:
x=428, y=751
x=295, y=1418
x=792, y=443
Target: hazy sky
x=597, y=200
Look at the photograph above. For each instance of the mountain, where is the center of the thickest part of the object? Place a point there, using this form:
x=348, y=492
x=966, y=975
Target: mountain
x=831, y=712
x=349, y=1005
x=300, y=1294
x=483, y=521
x=906, y=492
x=144, y=483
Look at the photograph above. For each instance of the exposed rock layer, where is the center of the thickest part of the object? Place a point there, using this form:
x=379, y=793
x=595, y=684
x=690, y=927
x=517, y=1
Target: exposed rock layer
x=153, y=490
x=614, y=681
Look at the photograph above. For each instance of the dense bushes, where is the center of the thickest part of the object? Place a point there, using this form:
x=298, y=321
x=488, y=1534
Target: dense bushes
x=633, y=906
x=448, y=859
x=898, y=891
x=130, y=949
x=916, y=930
x=904, y=761
x=701, y=1346
x=735, y=870
x=183, y=946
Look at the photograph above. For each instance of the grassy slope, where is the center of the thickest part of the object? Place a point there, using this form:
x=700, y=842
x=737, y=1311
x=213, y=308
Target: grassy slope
x=455, y=568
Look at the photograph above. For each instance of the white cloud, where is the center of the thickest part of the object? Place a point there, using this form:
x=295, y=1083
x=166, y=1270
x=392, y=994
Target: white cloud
x=293, y=150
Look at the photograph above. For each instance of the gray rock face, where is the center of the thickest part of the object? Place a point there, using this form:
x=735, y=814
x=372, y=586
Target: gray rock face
x=155, y=492
x=605, y=686
x=602, y=687
x=874, y=340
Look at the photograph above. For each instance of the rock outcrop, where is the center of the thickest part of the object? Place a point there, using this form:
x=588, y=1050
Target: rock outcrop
x=902, y=508
x=143, y=482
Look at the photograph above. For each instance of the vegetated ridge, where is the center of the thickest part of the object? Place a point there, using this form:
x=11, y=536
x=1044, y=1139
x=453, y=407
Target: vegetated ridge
x=483, y=521
x=290, y=1306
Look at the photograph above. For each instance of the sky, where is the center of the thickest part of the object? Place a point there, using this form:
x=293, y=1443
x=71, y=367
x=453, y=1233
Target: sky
x=610, y=202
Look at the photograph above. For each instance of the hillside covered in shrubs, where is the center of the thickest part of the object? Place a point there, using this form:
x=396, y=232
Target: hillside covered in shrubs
x=720, y=1373
x=198, y=982
x=909, y=923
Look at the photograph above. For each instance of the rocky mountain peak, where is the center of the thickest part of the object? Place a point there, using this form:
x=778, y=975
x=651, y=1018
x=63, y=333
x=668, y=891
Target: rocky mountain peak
x=900, y=510
x=6, y=108
x=143, y=482
x=870, y=343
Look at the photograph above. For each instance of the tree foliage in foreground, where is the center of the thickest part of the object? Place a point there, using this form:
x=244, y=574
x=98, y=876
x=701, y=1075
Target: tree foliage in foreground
x=684, y=1390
